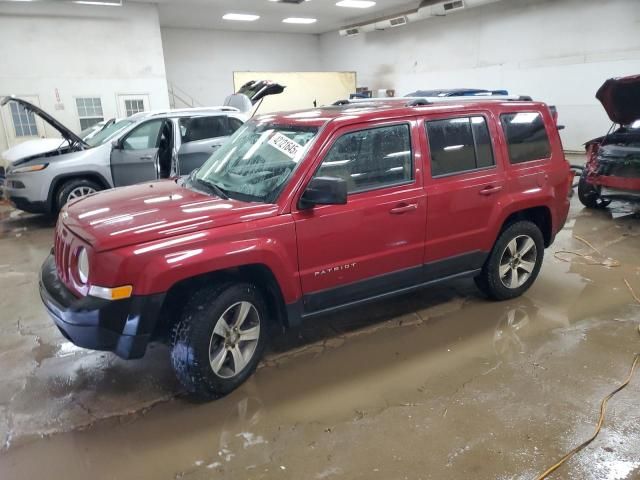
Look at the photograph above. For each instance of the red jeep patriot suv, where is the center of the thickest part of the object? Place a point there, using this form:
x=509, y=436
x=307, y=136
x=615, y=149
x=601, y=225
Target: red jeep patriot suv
x=304, y=213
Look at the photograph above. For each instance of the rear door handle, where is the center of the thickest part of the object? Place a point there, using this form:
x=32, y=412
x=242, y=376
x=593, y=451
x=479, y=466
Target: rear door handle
x=146, y=157
x=403, y=208
x=490, y=190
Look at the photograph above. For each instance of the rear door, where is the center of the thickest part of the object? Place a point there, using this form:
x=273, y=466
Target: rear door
x=200, y=137
x=465, y=184
x=136, y=159
x=375, y=242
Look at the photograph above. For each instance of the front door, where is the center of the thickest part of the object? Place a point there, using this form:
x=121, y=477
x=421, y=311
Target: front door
x=465, y=186
x=135, y=159
x=375, y=242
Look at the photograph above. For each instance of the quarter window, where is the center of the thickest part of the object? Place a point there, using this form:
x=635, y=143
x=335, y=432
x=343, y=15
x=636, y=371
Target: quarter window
x=371, y=158
x=526, y=136
x=89, y=111
x=24, y=121
x=459, y=145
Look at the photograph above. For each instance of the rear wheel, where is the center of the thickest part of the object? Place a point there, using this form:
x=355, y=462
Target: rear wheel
x=74, y=189
x=589, y=194
x=220, y=338
x=514, y=262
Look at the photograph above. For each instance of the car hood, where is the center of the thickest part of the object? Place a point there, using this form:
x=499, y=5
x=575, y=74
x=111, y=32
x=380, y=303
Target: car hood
x=152, y=211
x=32, y=148
x=620, y=98
x=66, y=133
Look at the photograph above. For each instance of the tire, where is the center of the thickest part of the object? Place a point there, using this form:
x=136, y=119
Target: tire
x=497, y=279
x=74, y=188
x=204, y=353
x=589, y=194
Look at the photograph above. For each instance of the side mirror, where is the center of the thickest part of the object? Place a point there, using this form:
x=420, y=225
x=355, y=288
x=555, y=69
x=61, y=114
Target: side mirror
x=115, y=144
x=324, y=191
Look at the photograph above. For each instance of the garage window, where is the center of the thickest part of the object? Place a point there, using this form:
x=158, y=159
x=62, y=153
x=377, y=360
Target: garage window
x=459, y=145
x=24, y=121
x=133, y=106
x=370, y=159
x=89, y=111
x=526, y=136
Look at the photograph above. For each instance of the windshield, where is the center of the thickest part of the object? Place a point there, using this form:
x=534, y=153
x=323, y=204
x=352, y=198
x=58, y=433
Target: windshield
x=257, y=160
x=108, y=133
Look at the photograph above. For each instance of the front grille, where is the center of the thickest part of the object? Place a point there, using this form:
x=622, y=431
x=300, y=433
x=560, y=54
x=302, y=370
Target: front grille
x=62, y=253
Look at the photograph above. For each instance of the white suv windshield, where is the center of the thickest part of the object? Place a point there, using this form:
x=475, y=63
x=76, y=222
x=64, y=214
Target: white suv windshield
x=108, y=133
x=257, y=160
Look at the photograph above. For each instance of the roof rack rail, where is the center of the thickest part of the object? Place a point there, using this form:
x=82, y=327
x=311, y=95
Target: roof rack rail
x=341, y=102
x=418, y=102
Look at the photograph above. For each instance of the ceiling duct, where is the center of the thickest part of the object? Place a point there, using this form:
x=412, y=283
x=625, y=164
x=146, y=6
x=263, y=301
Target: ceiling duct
x=350, y=32
x=427, y=9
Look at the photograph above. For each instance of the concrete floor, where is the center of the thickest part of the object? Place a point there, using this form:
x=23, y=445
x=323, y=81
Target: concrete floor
x=439, y=384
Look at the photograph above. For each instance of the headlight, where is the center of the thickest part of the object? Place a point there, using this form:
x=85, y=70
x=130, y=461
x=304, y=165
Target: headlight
x=83, y=265
x=30, y=168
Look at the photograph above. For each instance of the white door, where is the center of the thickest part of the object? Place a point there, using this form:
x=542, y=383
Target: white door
x=130, y=104
x=20, y=125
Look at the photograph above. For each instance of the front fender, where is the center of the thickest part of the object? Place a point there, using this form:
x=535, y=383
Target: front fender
x=154, y=267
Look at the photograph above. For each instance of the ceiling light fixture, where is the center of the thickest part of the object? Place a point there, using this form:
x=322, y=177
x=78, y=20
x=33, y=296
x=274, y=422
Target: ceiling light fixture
x=104, y=3
x=355, y=4
x=240, y=17
x=304, y=21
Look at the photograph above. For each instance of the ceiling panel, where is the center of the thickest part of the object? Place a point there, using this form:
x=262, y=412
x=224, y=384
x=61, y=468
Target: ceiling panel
x=208, y=14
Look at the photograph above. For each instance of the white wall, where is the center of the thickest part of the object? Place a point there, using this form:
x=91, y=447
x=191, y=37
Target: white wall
x=201, y=62
x=81, y=51
x=557, y=51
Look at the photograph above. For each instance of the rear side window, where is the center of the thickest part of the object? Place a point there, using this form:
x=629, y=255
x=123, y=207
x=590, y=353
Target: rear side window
x=459, y=145
x=526, y=136
x=370, y=159
x=203, y=128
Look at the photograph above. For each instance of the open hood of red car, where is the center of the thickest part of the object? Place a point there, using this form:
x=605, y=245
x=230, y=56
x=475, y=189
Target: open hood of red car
x=620, y=98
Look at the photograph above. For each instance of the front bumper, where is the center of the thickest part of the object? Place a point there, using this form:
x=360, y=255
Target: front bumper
x=121, y=326
x=26, y=193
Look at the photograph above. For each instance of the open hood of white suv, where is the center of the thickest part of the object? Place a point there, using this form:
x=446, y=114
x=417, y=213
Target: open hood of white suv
x=33, y=148
x=66, y=133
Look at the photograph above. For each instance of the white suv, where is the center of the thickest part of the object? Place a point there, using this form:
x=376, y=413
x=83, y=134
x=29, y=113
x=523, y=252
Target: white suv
x=143, y=147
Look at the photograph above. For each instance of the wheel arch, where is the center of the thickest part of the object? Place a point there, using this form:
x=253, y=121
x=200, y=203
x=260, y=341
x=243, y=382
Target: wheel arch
x=258, y=274
x=59, y=180
x=540, y=216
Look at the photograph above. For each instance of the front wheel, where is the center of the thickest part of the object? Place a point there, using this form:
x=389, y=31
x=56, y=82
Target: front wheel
x=220, y=338
x=74, y=189
x=514, y=262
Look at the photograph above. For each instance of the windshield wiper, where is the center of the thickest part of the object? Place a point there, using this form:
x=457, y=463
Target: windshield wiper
x=213, y=188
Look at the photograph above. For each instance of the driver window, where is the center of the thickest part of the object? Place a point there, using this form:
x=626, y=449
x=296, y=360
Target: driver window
x=144, y=137
x=370, y=159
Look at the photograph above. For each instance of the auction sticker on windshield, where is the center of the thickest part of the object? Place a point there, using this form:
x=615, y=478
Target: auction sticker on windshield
x=285, y=145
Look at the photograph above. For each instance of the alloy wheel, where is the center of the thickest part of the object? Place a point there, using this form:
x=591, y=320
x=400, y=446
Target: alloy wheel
x=518, y=261
x=81, y=191
x=234, y=339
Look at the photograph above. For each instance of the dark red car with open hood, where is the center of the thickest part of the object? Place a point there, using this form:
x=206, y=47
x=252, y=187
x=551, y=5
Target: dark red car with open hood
x=612, y=171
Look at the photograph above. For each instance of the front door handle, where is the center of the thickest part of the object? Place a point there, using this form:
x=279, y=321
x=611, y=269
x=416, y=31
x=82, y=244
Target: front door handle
x=146, y=157
x=490, y=190
x=403, y=208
